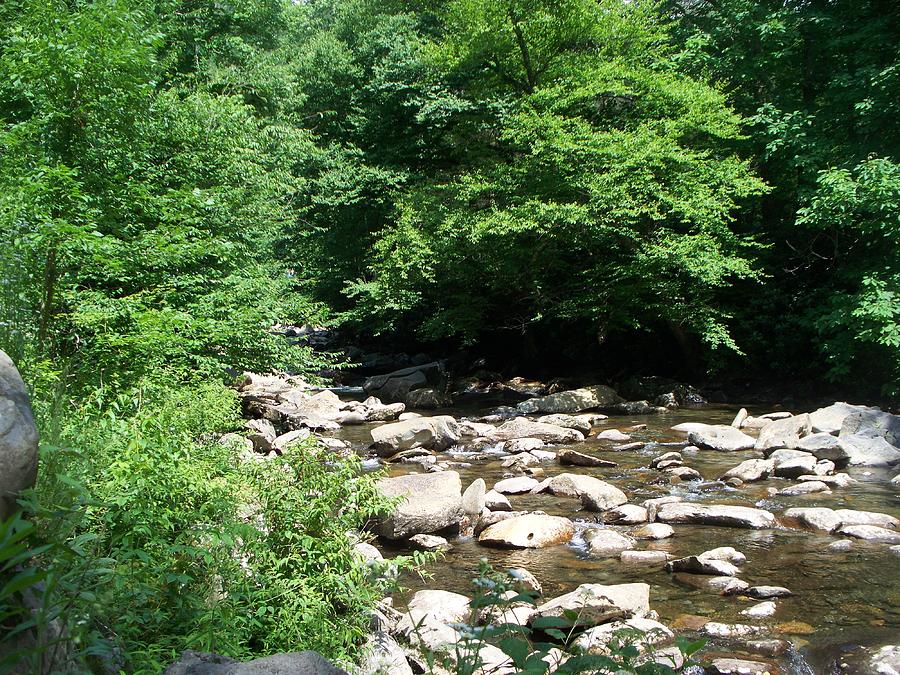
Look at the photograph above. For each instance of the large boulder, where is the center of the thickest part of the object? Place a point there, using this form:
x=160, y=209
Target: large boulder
x=522, y=427
x=751, y=470
x=427, y=398
x=595, y=604
x=824, y=446
x=873, y=423
x=435, y=433
x=831, y=520
x=783, y=433
x=295, y=663
x=18, y=438
x=430, y=618
x=572, y=401
x=528, y=531
x=715, y=514
x=393, y=387
x=830, y=419
x=428, y=502
x=868, y=450
x=720, y=437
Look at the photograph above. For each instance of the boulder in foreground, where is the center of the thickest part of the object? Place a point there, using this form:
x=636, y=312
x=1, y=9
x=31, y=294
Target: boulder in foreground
x=18, y=437
x=430, y=502
x=528, y=531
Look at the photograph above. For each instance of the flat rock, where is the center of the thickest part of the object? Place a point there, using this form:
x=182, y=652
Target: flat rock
x=699, y=565
x=751, y=470
x=518, y=445
x=429, y=542
x=714, y=514
x=598, y=604
x=721, y=438
x=796, y=466
x=739, y=667
x=430, y=502
x=870, y=533
x=829, y=520
x=683, y=474
x=805, y=488
x=728, y=553
x=572, y=401
x=783, y=433
x=613, y=435
x=729, y=630
x=515, y=486
x=654, y=531
x=765, y=592
x=626, y=514
x=528, y=531
x=602, y=542
x=598, y=640
x=830, y=419
x=840, y=480
x=294, y=663
x=644, y=557
x=575, y=458
x=665, y=457
x=522, y=427
x=872, y=423
x=760, y=611
x=578, y=423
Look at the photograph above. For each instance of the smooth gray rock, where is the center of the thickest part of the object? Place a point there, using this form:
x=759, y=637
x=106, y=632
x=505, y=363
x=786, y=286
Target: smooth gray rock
x=766, y=592
x=795, y=466
x=715, y=514
x=515, y=486
x=805, y=488
x=18, y=438
x=597, y=604
x=595, y=494
x=697, y=564
x=436, y=433
x=874, y=424
x=431, y=502
x=528, y=531
x=579, y=423
x=868, y=450
x=383, y=655
x=494, y=501
x=870, y=533
x=830, y=419
x=783, y=433
x=721, y=438
x=654, y=531
x=751, y=470
x=626, y=514
x=603, y=542
x=824, y=446
x=522, y=427
x=295, y=663
x=473, y=498
x=575, y=458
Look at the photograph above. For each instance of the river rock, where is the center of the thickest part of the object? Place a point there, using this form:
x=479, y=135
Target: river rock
x=824, y=467
x=428, y=542
x=612, y=435
x=576, y=400
x=597, y=640
x=683, y=474
x=495, y=501
x=473, y=498
x=696, y=564
x=626, y=514
x=783, y=433
x=575, y=458
x=885, y=661
x=665, y=457
x=596, y=604
x=829, y=420
x=721, y=438
x=654, y=531
x=382, y=654
x=262, y=434
x=872, y=423
x=688, y=427
x=805, y=488
x=515, y=486
x=436, y=433
x=739, y=667
x=870, y=533
x=726, y=553
x=715, y=514
x=578, y=423
x=430, y=616
x=524, y=580
x=295, y=663
x=766, y=592
x=602, y=542
x=644, y=557
x=376, y=411
x=840, y=480
x=522, y=427
x=528, y=531
x=795, y=466
x=751, y=470
x=828, y=520
x=824, y=446
x=762, y=610
x=18, y=438
x=652, y=505
x=739, y=418
x=600, y=495
x=431, y=502
x=868, y=450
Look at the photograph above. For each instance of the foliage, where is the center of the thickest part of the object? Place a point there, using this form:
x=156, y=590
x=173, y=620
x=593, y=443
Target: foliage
x=547, y=644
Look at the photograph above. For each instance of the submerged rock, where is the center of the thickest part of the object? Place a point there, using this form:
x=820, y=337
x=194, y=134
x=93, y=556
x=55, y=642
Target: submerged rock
x=602, y=542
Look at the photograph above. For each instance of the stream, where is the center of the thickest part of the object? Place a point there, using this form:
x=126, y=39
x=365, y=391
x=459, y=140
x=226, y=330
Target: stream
x=841, y=600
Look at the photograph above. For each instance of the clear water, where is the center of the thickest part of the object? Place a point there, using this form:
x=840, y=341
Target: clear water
x=844, y=599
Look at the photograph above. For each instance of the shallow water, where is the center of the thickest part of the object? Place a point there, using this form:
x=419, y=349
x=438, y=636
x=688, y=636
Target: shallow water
x=843, y=599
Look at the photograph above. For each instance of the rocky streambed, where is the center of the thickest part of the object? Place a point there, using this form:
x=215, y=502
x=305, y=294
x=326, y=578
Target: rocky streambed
x=773, y=535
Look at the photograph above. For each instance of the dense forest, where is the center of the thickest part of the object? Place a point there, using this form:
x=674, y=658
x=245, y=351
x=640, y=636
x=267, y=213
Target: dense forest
x=683, y=186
